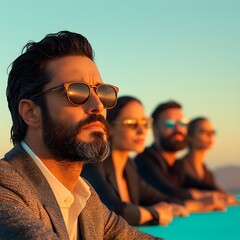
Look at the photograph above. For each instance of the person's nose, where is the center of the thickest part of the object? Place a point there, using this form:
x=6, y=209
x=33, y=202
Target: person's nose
x=141, y=129
x=179, y=128
x=94, y=104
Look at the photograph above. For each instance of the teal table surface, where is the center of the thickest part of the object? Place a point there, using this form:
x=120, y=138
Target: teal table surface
x=213, y=225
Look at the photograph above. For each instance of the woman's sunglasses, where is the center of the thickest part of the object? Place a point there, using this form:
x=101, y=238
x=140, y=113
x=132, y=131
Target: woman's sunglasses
x=208, y=132
x=134, y=123
x=79, y=93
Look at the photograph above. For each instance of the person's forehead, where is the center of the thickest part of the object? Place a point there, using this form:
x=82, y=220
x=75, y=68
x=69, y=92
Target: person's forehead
x=205, y=125
x=132, y=110
x=73, y=68
x=171, y=113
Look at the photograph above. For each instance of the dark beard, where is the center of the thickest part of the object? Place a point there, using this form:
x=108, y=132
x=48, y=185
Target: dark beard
x=60, y=138
x=171, y=145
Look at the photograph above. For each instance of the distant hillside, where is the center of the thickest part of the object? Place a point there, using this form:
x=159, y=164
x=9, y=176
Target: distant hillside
x=228, y=178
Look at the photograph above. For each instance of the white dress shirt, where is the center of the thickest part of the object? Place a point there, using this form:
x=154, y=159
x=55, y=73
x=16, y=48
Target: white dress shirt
x=70, y=203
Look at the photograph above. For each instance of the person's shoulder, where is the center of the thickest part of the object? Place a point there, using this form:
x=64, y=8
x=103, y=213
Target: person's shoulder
x=95, y=167
x=149, y=154
x=15, y=152
x=206, y=167
x=146, y=152
x=6, y=169
x=179, y=163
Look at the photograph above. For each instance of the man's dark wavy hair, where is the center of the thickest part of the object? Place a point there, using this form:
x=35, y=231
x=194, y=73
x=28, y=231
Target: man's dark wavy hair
x=29, y=75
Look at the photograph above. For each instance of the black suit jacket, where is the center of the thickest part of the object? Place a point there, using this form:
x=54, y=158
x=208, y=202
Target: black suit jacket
x=207, y=183
x=155, y=171
x=103, y=178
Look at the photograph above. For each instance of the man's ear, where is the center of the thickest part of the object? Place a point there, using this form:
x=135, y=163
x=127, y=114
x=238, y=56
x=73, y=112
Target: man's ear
x=30, y=112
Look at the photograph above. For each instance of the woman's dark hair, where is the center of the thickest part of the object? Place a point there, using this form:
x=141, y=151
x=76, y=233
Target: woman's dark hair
x=29, y=74
x=194, y=123
x=113, y=113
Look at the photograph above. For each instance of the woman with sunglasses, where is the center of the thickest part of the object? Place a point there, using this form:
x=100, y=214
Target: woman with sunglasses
x=116, y=179
x=200, y=138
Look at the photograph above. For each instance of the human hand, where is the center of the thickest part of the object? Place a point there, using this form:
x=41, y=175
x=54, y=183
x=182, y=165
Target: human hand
x=231, y=199
x=165, y=212
x=199, y=194
x=214, y=202
x=179, y=210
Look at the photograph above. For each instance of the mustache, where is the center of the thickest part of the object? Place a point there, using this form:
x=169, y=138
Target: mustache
x=91, y=119
x=177, y=133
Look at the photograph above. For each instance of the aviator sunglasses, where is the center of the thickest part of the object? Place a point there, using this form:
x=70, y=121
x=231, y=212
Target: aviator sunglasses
x=172, y=123
x=134, y=123
x=79, y=93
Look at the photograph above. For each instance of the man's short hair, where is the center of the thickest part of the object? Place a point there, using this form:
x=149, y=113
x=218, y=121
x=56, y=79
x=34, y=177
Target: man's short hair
x=29, y=74
x=163, y=107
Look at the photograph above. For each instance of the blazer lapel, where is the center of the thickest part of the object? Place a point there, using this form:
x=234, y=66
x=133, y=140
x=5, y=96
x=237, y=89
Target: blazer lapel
x=27, y=168
x=132, y=180
x=110, y=174
x=87, y=228
x=57, y=221
x=129, y=175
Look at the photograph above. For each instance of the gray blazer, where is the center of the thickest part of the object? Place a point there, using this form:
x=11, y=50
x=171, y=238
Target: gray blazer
x=29, y=210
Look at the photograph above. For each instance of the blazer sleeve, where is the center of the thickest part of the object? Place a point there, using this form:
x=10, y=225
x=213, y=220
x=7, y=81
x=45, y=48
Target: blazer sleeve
x=17, y=221
x=106, y=224
x=96, y=175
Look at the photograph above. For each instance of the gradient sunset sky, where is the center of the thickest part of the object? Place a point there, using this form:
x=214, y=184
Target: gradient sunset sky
x=156, y=50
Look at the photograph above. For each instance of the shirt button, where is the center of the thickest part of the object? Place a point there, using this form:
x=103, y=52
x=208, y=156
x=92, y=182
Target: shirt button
x=69, y=200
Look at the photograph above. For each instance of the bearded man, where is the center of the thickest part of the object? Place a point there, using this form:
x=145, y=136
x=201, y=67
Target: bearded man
x=158, y=166
x=58, y=104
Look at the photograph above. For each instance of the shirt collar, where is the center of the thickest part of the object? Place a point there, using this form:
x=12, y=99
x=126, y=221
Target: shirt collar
x=63, y=196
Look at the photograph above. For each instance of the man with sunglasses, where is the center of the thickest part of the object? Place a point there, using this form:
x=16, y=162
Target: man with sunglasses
x=58, y=104
x=157, y=163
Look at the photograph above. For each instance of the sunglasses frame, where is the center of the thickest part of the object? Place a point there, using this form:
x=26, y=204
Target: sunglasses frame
x=127, y=124
x=181, y=122
x=65, y=86
x=208, y=132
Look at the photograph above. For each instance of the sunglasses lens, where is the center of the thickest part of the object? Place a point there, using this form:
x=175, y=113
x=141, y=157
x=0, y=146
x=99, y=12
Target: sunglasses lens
x=170, y=124
x=134, y=123
x=107, y=95
x=183, y=123
x=208, y=132
x=145, y=123
x=78, y=93
x=130, y=123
